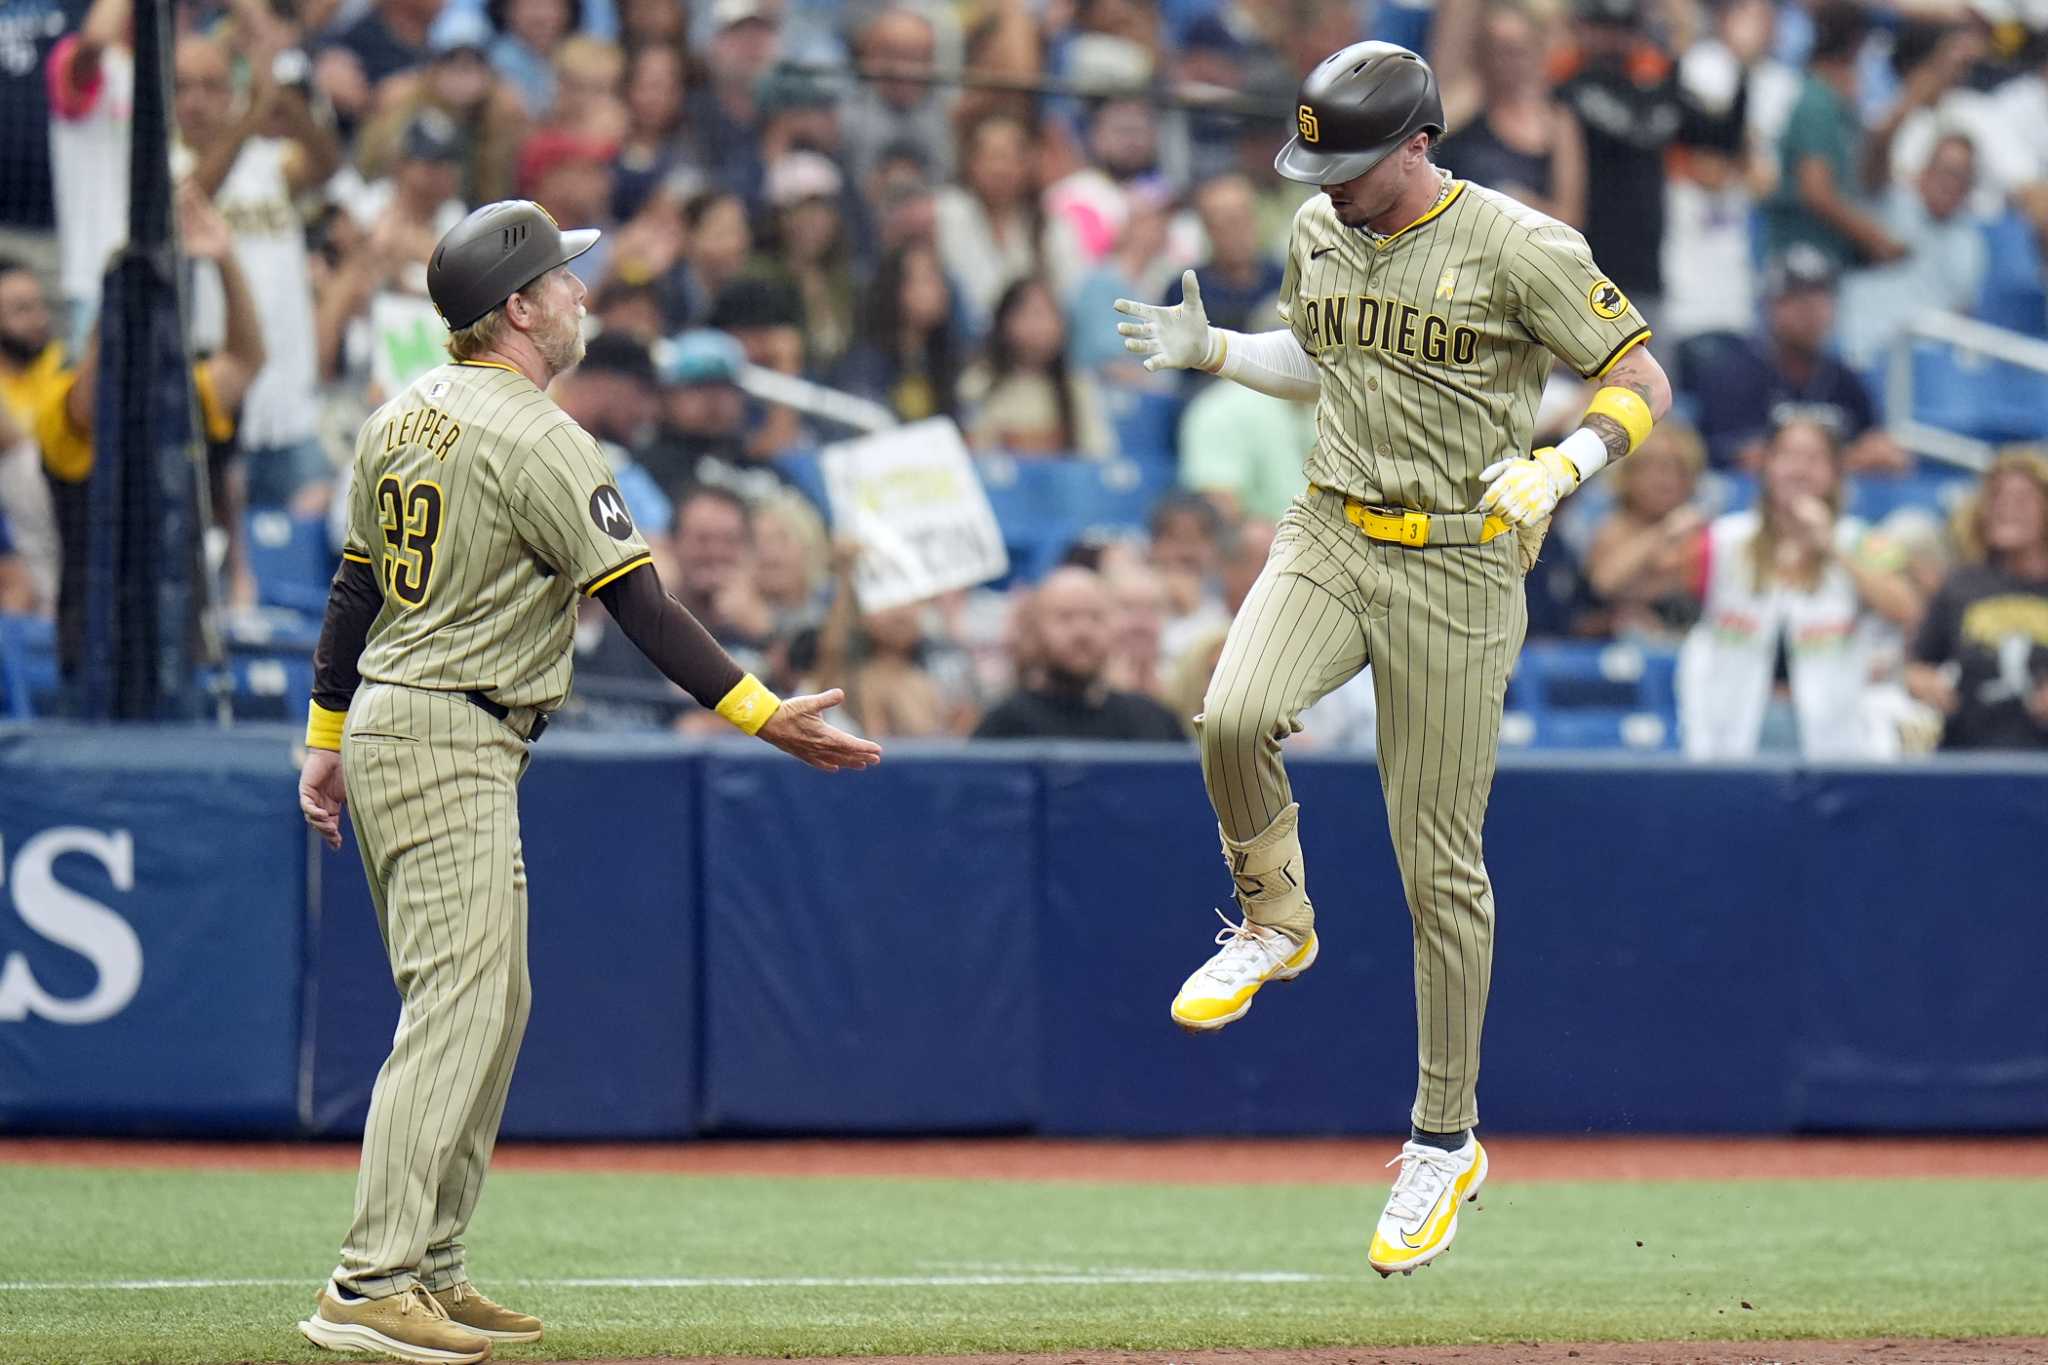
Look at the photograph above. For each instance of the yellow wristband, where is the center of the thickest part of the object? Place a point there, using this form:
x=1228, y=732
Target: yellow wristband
x=323, y=727
x=1627, y=408
x=749, y=704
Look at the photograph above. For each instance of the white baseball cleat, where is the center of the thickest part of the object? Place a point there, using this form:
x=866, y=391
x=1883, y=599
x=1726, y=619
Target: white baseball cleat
x=1222, y=988
x=1421, y=1215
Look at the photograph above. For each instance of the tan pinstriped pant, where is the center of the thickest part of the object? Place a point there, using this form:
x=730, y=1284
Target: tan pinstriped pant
x=1441, y=628
x=433, y=792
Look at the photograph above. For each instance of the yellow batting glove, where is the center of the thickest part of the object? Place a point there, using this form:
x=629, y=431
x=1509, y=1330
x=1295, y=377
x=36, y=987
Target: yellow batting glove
x=1524, y=491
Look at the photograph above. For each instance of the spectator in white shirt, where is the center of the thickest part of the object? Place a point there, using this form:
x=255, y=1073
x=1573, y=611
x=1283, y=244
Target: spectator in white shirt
x=254, y=162
x=1710, y=281
x=1944, y=270
x=92, y=96
x=992, y=230
x=1782, y=656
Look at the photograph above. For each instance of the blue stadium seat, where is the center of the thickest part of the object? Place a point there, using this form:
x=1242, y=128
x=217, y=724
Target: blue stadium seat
x=802, y=469
x=28, y=665
x=1933, y=486
x=290, y=558
x=1181, y=14
x=1555, y=675
x=2015, y=290
x=274, y=628
x=1942, y=388
x=1147, y=424
x=270, y=663
x=1570, y=694
x=1988, y=399
x=1045, y=505
x=1602, y=727
x=271, y=686
x=1405, y=23
x=2015, y=405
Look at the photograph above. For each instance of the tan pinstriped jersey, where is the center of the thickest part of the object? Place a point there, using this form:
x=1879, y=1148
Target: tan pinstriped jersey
x=484, y=510
x=1434, y=342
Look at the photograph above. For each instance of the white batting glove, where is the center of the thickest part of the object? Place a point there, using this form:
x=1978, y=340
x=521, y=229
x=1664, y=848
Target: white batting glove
x=1524, y=491
x=1175, y=338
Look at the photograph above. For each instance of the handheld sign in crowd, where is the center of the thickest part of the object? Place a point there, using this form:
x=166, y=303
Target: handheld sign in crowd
x=913, y=501
x=410, y=339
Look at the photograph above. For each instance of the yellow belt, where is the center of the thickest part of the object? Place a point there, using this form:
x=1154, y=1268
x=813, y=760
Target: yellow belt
x=1398, y=526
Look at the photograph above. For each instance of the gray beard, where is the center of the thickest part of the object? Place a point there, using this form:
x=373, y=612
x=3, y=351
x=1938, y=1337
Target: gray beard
x=566, y=354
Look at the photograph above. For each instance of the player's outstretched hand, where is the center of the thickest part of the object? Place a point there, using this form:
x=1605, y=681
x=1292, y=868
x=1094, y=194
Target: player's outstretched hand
x=1175, y=338
x=1525, y=491
x=322, y=789
x=799, y=729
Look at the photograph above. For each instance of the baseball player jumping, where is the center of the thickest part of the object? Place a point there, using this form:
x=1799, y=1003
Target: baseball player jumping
x=478, y=514
x=1422, y=314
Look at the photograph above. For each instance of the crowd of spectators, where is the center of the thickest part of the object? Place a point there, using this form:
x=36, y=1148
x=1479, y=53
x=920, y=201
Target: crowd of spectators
x=1781, y=188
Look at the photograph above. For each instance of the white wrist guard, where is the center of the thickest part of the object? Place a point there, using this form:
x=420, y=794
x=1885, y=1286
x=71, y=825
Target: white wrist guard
x=1586, y=451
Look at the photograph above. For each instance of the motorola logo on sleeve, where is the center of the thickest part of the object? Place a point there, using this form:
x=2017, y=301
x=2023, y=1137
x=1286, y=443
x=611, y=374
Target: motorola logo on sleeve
x=608, y=511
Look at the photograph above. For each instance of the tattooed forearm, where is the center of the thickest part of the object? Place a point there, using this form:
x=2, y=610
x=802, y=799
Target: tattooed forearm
x=1610, y=433
x=1640, y=374
x=1610, y=422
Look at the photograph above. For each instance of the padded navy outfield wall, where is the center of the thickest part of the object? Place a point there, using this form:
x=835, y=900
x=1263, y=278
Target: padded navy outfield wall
x=1919, y=978
x=609, y=834
x=1646, y=970
x=152, y=919
x=1132, y=869
x=725, y=942
x=1641, y=981
x=868, y=960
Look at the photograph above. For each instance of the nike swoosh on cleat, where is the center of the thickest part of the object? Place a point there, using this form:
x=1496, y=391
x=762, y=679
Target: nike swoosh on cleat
x=1412, y=1245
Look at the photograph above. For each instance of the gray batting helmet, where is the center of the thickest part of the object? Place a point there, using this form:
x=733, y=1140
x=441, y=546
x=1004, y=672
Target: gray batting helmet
x=495, y=252
x=1358, y=104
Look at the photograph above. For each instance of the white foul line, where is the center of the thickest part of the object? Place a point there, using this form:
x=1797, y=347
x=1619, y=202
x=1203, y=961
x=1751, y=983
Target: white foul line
x=1084, y=1278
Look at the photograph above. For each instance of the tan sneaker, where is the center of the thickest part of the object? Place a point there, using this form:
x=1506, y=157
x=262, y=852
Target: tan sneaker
x=410, y=1326
x=466, y=1306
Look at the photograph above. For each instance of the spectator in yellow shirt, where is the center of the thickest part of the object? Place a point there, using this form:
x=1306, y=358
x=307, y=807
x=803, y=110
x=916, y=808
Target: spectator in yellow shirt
x=31, y=366
x=63, y=425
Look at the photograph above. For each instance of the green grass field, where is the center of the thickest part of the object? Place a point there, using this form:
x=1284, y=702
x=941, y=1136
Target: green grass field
x=651, y=1264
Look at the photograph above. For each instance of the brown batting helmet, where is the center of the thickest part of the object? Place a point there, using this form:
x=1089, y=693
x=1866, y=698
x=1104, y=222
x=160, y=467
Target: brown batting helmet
x=494, y=253
x=1357, y=105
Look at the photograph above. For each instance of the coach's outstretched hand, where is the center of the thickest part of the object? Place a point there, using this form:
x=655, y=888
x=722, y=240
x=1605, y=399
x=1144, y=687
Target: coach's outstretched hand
x=1175, y=338
x=799, y=729
x=322, y=789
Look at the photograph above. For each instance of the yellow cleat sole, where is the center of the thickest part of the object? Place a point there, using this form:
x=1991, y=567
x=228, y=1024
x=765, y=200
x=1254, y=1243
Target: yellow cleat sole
x=1192, y=1024
x=1411, y=1265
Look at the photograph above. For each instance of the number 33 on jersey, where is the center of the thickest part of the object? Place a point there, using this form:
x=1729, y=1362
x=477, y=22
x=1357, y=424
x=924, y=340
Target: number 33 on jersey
x=485, y=512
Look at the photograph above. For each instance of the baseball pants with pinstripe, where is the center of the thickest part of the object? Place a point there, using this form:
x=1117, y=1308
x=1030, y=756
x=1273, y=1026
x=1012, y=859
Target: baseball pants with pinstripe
x=1441, y=627
x=433, y=791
